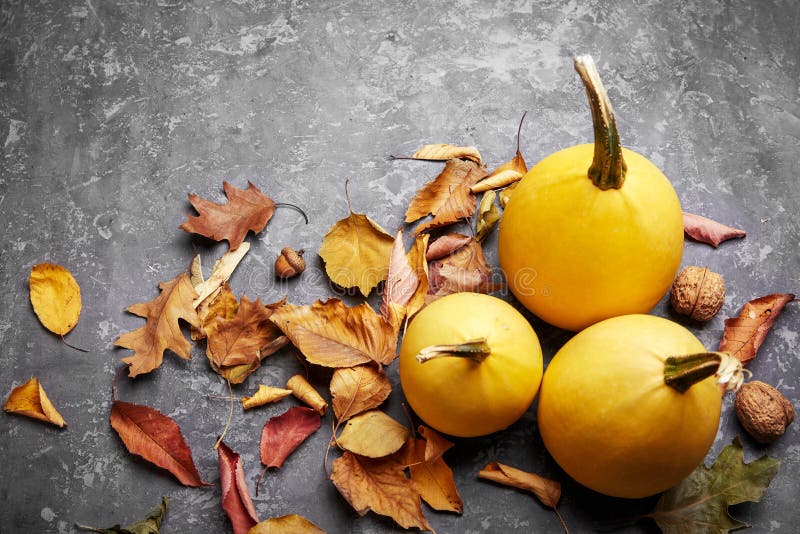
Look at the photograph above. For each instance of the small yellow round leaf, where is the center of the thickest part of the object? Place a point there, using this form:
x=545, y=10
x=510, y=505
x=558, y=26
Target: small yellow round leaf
x=56, y=297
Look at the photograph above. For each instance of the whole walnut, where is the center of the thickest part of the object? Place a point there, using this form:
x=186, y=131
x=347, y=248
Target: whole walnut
x=698, y=292
x=763, y=411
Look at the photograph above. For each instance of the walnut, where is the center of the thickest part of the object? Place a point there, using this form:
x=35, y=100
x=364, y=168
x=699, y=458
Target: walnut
x=698, y=292
x=763, y=411
x=290, y=263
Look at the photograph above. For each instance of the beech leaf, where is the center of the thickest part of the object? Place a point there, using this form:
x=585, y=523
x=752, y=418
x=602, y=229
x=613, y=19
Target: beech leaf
x=246, y=210
x=708, y=231
x=432, y=477
x=30, y=400
x=548, y=491
x=151, y=524
x=282, y=434
x=358, y=389
x=381, y=486
x=55, y=296
x=373, y=434
x=148, y=433
x=488, y=216
x=401, y=284
x=306, y=393
x=445, y=245
x=332, y=334
x=743, y=335
x=220, y=274
x=235, y=498
x=286, y=524
x=162, y=330
x=443, y=152
x=264, y=395
x=700, y=503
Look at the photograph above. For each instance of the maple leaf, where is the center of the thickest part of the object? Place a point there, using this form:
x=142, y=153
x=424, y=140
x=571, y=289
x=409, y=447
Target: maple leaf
x=708, y=231
x=743, y=335
x=464, y=270
x=148, y=433
x=488, y=216
x=401, y=284
x=373, y=434
x=161, y=331
x=286, y=524
x=332, y=334
x=444, y=152
x=306, y=393
x=432, y=477
x=700, y=503
x=358, y=389
x=508, y=173
x=55, y=296
x=246, y=210
x=381, y=486
x=151, y=524
x=283, y=433
x=264, y=395
x=235, y=498
x=445, y=245
x=30, y=400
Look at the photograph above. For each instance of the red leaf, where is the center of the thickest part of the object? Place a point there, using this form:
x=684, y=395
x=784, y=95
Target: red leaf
x=446, y=245
x=744, y=334
x=155, y=437
x=707, y=231
x=284, y=433
x=235, y=497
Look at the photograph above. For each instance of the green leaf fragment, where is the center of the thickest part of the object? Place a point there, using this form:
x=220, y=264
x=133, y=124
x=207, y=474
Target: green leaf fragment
x=149, y=525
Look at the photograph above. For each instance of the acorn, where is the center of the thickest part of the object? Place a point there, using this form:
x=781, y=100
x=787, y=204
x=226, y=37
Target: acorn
x=290, y=263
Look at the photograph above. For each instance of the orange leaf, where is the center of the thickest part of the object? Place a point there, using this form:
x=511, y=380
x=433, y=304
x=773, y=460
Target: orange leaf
x=223, y=305
x=235, y=498
x=443, y=152
x=246, y=210
x=162, y=331
x=744, y=334
x=306, y=393
x=264, y=395
x=379, y=485
x=333, y=335
x=435, y=444
x=358, y=389
x=30, y=399
x=548, y=491
x=708, y=231
x=55, y=296
x=239, y=340
x=434, y=481
x=286, y=524
x=508, y=173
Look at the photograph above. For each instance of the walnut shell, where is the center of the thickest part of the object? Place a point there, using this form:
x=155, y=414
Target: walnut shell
x=763, y=411
x=698, y=292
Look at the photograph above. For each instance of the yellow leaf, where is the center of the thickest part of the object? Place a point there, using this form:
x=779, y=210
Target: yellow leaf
x=435, y=444
x=265, y=395
x=306, y=393
x=443, y=152
x=55, y=296
x=223, y=305
x=508, y=173
x=372, y=434
x=418, y=262
x=30, y=399
x=434, y=481
x=548, y=491
x=286, y=524
x=356, y=252
x=220, y=273
x=488, y=215
x=357, y=389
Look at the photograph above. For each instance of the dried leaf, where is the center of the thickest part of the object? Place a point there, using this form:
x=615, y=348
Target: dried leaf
x=744, y=334
x=286, y=524
x=55, y=296
x=155, y=437
x=151, y=524
x=239, y=340
x=381, y=486
x=445, y=245
x=282, y=434
x=264, y=395
x=30, y=400
x=306, y=393
x=358, y=389
x=196, y=271
x=548, y=491
x=488, y=216
x=246, y=210
x=373, y=434
x=700, y=503
x=509, y=172
x=708, y=231
x=416, y=259
x=220, y=274
x=434, y=481
x=333, y=335
x=235, y=498
x=356, y=252
x=444, y=152
x=435, y=444
x=464, y=270
x=505, y=194
x=161, y=331
x=401, y=285
x=223, y=305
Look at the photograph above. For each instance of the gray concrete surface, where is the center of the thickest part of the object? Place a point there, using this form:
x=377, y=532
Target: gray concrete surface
x=112, y=111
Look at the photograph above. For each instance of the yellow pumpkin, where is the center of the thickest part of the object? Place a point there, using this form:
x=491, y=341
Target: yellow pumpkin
x=592, y=231
x=630, y=406
x=470, y=364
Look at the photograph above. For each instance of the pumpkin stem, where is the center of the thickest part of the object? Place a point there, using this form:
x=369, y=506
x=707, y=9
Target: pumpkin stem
x=474, y=349
x=682, y=372
x=608, y=167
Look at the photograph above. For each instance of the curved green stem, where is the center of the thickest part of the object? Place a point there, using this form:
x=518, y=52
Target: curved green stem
x=682, y=372
x=474, y=349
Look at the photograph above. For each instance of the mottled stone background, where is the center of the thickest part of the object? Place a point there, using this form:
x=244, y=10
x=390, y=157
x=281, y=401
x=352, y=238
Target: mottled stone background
x=112, y=111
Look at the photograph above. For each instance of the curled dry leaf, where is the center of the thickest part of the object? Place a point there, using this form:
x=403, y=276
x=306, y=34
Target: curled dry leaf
x=445, y=245
x=444, y=152
x=306, y=393
x=246, y=210
x=464, y=270
x=264, y=395
x=235, y=498
x=220, y=274
x=548, y=491
x=373, y=434
x=333, y=335
x=488, y=216
x=282, y=434
x=55, y=296
x=708, y=231
x=358, y=389
x=151, y=524
x=148, y=433
x=30, y=400
x=223, y=305
x=508, y=173
x=432, y=477
x=162, y=330
x=286, y=524
x=743, y=335
x=401, y=285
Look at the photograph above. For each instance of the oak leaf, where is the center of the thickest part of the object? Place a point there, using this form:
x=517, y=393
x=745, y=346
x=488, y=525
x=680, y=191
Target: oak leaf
x=444, y=152
x=246, y=210
x=235, y=498
x=743, y=335
x=464, y=270
x=148, y=433
x=264, y=395
x=55, y=296
x=432, y=477
x=445, y=245
x=357, y=389
x=700, y=503
x=332, y=334
x=381, y=486
x=373, y=434
x=283, y=433
x=306, y=393
x=30, y=400
x=162, y=330
x=286, y=524
x=548, y=491
x=488, y=216
x=151, y=524
x=220, y=274
x=708, y=231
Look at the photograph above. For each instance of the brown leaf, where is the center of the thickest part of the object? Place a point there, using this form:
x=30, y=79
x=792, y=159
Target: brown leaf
x=548, y=491
x=306, y=393
x=434, y=481
x=744, y=334
x=55, y=297
x=401, y=285
x=416, y=259
x=161, y=331
x=509, y=172
x=435, y=444
x=381, y=486
x=373, y=434
x=30, y=400
x=264, y=395
x=464, y=270
x=148, y=433
x=488, y=216
x=445, y=245
x=444, y=152
x=235, y=498
x=286, y=524
x=708, y=231
x=282, y=434
x=358, y=389
x=223, y=305
x=447, y=196
x=333, y=335
x=220, y=274
x=246, y=210
x=239, y=340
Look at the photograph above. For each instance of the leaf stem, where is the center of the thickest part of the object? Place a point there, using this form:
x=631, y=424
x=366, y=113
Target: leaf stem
x=561, y=520
x=64, y=341
x=296, y=208
x=230, y=417
x=519, y=128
